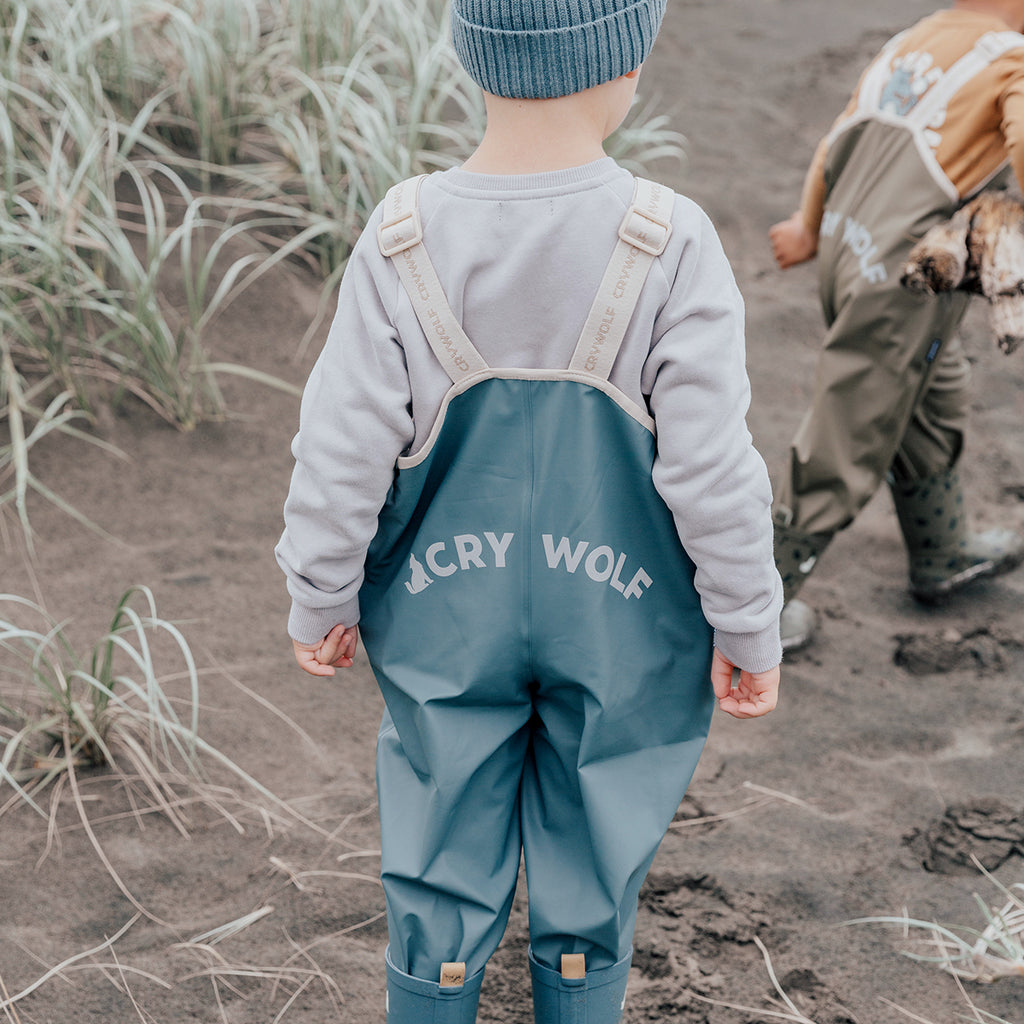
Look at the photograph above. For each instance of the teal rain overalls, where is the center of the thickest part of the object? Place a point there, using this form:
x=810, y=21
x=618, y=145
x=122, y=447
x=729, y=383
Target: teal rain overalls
x=530, y=616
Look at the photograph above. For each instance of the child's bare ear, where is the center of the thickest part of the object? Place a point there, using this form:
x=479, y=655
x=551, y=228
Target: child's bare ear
x=635, y=73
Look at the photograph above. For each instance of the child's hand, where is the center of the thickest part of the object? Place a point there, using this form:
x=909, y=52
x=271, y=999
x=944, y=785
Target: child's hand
x=336, y=650
x=756, y=694
x=792, y=242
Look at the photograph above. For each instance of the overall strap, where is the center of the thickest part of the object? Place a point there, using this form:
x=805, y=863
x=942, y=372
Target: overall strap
x=643, y=235
x=987, y=49
x=400, y=237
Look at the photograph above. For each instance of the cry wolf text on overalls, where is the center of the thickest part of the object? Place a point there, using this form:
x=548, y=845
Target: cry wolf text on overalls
x=465, y=551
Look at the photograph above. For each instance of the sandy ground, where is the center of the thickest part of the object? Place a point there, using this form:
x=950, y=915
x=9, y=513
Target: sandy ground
x=895, y=754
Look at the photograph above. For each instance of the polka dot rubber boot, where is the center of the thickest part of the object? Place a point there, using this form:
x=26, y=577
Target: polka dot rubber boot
x=796, y=554
x=944, y=555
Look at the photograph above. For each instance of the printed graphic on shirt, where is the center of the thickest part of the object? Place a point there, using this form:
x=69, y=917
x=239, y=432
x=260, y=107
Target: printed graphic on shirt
x=913, y=75
x=599, y=562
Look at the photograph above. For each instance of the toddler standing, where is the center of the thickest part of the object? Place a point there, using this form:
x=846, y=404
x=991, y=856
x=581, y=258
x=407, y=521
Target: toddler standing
x=523, y=469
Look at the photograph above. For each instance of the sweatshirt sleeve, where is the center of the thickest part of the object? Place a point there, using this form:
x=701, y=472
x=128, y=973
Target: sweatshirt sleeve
x=812, y=199
x=707, y=469
x=1013, y=127
x=355, y=420
x=812, y=196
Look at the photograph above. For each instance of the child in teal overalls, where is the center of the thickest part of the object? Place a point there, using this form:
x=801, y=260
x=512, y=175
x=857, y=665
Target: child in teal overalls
x=523, y=469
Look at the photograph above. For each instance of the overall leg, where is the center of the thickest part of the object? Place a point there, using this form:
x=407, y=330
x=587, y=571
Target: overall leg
x=879, y=356
x=934, y=437
x=610, y=760
x=449, y=759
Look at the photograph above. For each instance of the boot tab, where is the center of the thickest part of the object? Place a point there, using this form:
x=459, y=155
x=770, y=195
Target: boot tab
x=453, y=975
x=574, y=965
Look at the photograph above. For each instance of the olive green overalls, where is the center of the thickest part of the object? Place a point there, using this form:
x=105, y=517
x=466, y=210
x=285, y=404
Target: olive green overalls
x=890, y=396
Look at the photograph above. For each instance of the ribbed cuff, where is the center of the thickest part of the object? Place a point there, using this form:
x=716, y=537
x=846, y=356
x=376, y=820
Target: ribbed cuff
x=754, y=652
x=309, y=625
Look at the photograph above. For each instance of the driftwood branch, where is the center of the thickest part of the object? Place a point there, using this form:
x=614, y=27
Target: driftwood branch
x=980, y=249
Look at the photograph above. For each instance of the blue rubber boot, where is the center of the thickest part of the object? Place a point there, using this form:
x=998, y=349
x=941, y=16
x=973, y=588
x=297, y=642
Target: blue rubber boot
x=415, y=1001
x=598, y=997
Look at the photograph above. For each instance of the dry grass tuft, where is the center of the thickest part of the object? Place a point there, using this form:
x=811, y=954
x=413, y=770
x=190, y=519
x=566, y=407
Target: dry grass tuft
x=203, y=142
x=994, y=952
x=126, y=711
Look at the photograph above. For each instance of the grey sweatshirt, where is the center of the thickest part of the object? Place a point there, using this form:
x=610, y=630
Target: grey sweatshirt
x=520, y=259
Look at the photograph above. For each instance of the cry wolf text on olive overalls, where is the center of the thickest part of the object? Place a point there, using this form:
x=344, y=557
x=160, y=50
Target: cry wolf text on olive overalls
x=891, y=392
x=530, y=616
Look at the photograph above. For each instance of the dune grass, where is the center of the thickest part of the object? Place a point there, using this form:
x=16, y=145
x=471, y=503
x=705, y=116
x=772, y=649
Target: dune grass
x=278, y=987
x=127, y=707
x=203, y=142
x=124, y=712
x=979, y=954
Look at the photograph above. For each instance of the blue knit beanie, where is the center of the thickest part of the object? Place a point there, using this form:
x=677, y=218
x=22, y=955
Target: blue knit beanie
x=537, y=49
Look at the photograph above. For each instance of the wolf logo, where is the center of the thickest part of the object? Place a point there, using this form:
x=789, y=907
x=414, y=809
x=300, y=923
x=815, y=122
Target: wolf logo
x=420, y=580
x=911, y=77
x=900, y=96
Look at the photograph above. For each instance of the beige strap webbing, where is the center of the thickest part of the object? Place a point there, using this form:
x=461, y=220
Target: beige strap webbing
x=400, y=237
x=643, y=235
x=988, y=48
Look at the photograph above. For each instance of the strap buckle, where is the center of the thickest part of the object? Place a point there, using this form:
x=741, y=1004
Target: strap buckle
x=993, y=45
x=401, y=233
x=646, y=233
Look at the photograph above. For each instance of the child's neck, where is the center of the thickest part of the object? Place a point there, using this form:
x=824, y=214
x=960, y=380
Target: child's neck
x=533, y=136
